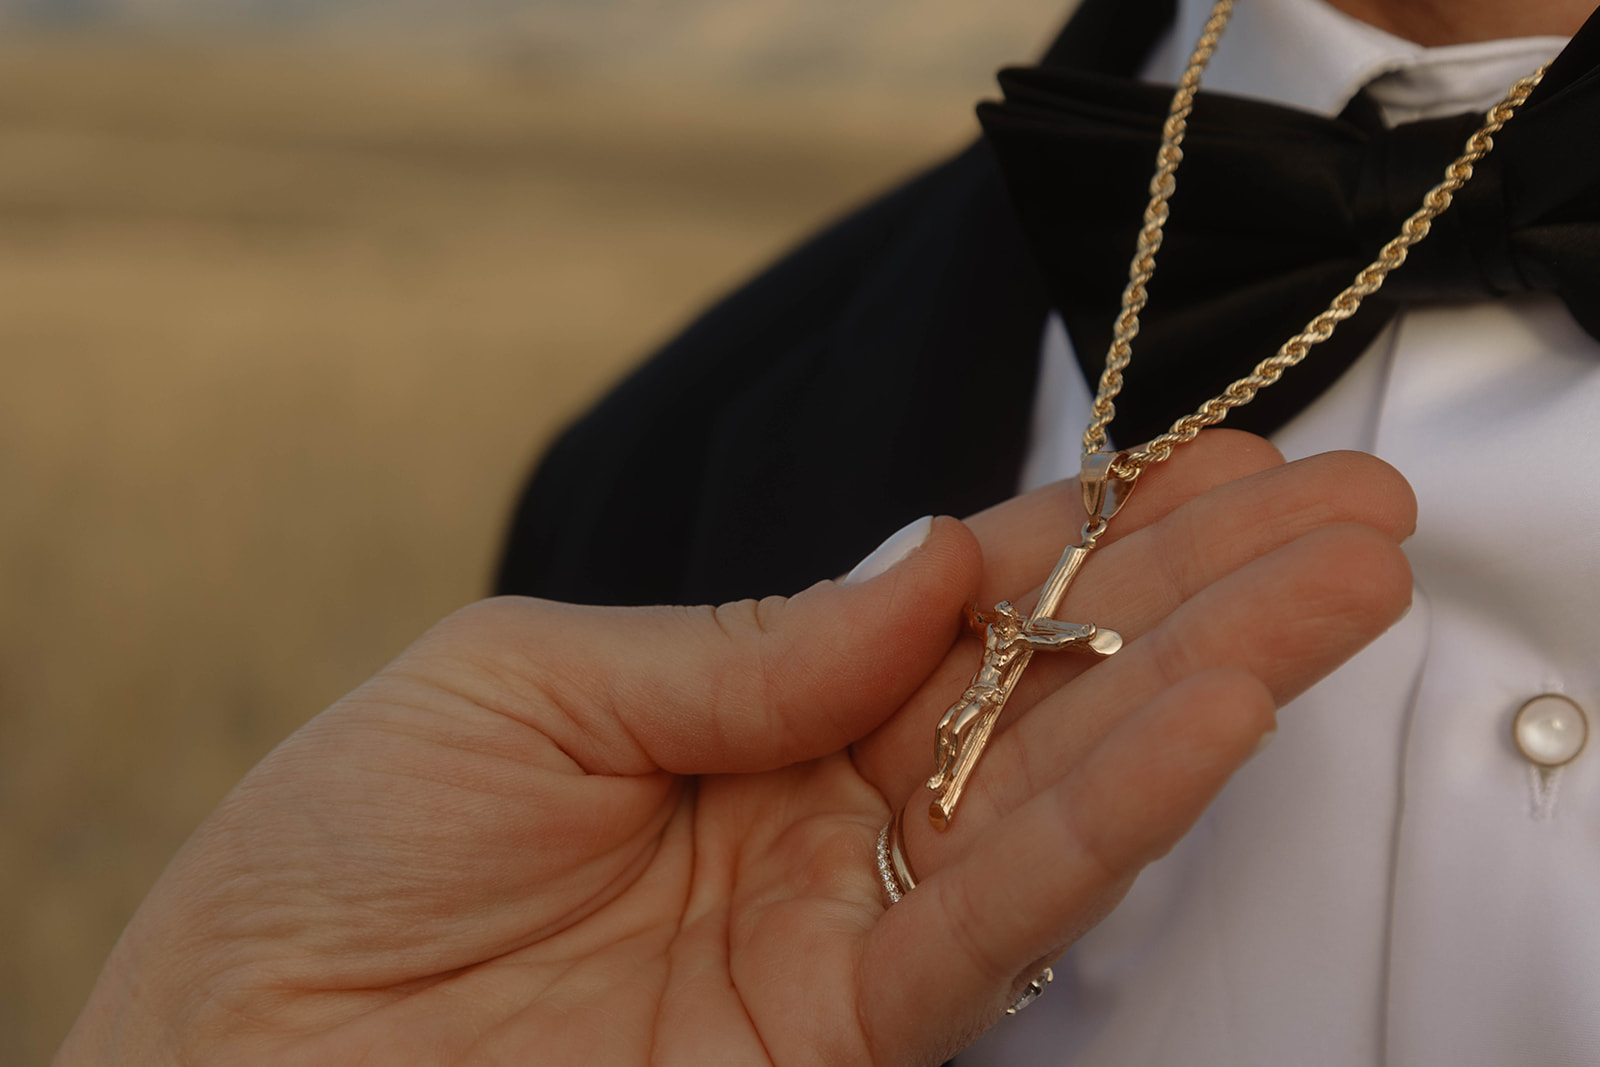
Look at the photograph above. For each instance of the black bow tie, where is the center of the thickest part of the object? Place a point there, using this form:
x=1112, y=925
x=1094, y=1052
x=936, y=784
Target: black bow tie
x=1275, y=212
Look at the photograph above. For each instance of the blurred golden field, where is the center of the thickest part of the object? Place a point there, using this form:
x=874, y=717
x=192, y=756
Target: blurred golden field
x=281, y=332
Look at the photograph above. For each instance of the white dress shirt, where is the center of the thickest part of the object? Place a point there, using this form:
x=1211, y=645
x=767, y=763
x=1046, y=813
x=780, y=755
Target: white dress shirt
x=1391, y=881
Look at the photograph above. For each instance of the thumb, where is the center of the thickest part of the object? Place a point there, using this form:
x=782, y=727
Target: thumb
x=745, y=686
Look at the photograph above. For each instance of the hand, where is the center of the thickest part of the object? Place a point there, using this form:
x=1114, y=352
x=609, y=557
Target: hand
x=561, y=834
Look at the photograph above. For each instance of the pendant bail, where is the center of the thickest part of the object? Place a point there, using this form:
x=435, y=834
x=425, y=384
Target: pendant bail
x=1103, y=492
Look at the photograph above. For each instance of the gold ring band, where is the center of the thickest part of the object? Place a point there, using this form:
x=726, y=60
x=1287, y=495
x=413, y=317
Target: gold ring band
x=897, y=852
x=894, y=869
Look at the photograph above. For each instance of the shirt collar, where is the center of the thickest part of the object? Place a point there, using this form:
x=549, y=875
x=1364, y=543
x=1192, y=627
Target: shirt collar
x=1306, y=54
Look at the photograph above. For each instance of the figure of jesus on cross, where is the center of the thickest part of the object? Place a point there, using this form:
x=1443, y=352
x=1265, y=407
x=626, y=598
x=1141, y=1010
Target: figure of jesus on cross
x=1009, y=641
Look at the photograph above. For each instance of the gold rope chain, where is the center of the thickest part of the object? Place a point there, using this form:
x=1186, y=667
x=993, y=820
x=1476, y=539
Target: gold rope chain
x=1319, y=329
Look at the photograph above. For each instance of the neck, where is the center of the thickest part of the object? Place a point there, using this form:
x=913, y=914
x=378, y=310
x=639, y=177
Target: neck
x=1439, y=22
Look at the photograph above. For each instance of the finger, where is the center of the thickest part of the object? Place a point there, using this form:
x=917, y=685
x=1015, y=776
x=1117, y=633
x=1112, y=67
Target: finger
x=1288, y=619
x=1022, y=537
x=1144, y=578
x=1157, y=567
x=742, y=687
x=942, y=965
x=1131, y=585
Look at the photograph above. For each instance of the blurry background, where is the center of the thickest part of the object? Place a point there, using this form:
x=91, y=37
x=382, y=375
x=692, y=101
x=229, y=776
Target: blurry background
x=291, y=294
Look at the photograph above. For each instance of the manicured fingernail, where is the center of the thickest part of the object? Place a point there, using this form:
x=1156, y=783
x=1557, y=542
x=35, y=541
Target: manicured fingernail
x=900, y=545
x=1262, y=743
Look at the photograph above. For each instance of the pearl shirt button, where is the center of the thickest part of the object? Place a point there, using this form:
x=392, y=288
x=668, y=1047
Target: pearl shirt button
x=1550, y=730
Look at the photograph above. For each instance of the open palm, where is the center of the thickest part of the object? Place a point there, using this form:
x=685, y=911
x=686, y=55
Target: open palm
x=562, y=834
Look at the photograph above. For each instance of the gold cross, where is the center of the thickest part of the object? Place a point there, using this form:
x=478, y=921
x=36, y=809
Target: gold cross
x=1009, y=642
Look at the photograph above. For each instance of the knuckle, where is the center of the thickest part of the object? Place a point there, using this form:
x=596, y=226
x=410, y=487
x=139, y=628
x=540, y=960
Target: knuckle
x=965, y=922
x=1362, y=572
x=1087, y=835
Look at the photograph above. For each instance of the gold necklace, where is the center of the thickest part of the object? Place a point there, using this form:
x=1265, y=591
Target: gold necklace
x=1106, y=478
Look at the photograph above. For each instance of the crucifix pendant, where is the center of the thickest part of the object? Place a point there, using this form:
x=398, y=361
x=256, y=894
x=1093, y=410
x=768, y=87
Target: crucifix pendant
x=1010, y=639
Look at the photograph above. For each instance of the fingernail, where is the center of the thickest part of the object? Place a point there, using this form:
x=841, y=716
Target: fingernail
x=899, y=545
x=1261, y=744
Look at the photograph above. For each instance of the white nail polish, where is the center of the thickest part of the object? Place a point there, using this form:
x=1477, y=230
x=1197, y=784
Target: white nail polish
x=1262, y=743
x=900, y=544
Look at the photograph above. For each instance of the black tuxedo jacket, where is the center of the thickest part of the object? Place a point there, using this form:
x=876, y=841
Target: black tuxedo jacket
x=883, y=371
